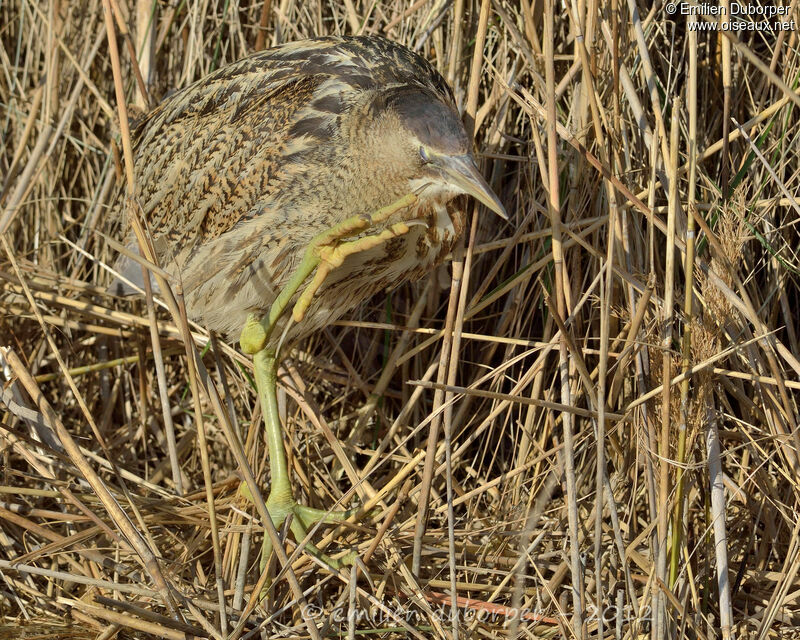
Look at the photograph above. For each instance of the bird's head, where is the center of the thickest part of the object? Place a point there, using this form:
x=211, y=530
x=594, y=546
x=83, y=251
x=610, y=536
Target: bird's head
x=433, y=146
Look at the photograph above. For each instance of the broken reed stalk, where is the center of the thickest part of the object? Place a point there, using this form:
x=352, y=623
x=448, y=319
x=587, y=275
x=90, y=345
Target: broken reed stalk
x=688, y=316
x=554, y=209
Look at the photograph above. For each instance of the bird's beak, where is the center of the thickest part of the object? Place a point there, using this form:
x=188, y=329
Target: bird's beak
x=461, y=172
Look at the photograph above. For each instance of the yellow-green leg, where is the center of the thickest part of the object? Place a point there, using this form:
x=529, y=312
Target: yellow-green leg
x=324, y=253
x=280, y=502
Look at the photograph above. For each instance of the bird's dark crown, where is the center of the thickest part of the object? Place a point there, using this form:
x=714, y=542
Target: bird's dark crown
x=425, y=115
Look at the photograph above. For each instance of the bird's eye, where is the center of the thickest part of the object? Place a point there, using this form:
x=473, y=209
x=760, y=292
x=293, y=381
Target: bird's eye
x=424, y=155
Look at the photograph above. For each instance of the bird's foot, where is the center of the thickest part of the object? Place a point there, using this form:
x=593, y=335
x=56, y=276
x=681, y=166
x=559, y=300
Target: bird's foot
x=332, y=256
x=326, y=251
x=304, y=518
x=282, y=506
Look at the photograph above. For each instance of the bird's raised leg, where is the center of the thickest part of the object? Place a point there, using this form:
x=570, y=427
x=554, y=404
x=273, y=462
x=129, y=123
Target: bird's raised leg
x=325, y=252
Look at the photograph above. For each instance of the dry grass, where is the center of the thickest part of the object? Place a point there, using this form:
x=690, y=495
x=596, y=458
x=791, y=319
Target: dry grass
x=563, y=461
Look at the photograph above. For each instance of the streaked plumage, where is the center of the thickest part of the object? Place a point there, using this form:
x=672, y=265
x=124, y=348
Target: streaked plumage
x=236, y=173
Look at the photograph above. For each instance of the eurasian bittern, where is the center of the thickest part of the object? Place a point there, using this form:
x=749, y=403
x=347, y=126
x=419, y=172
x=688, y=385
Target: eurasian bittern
x=339, y=156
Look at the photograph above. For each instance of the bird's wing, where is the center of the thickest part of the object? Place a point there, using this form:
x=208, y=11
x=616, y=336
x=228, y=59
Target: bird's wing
x=206, y=156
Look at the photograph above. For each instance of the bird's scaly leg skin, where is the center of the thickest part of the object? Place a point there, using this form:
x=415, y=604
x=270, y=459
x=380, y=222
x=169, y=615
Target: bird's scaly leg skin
x=265, y=364
x=280, y=502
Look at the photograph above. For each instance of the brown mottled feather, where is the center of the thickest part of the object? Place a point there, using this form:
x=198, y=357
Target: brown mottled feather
x=236, y=173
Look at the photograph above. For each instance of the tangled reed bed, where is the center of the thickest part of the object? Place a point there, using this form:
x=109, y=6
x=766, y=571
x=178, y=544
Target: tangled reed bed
x=650, y=170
